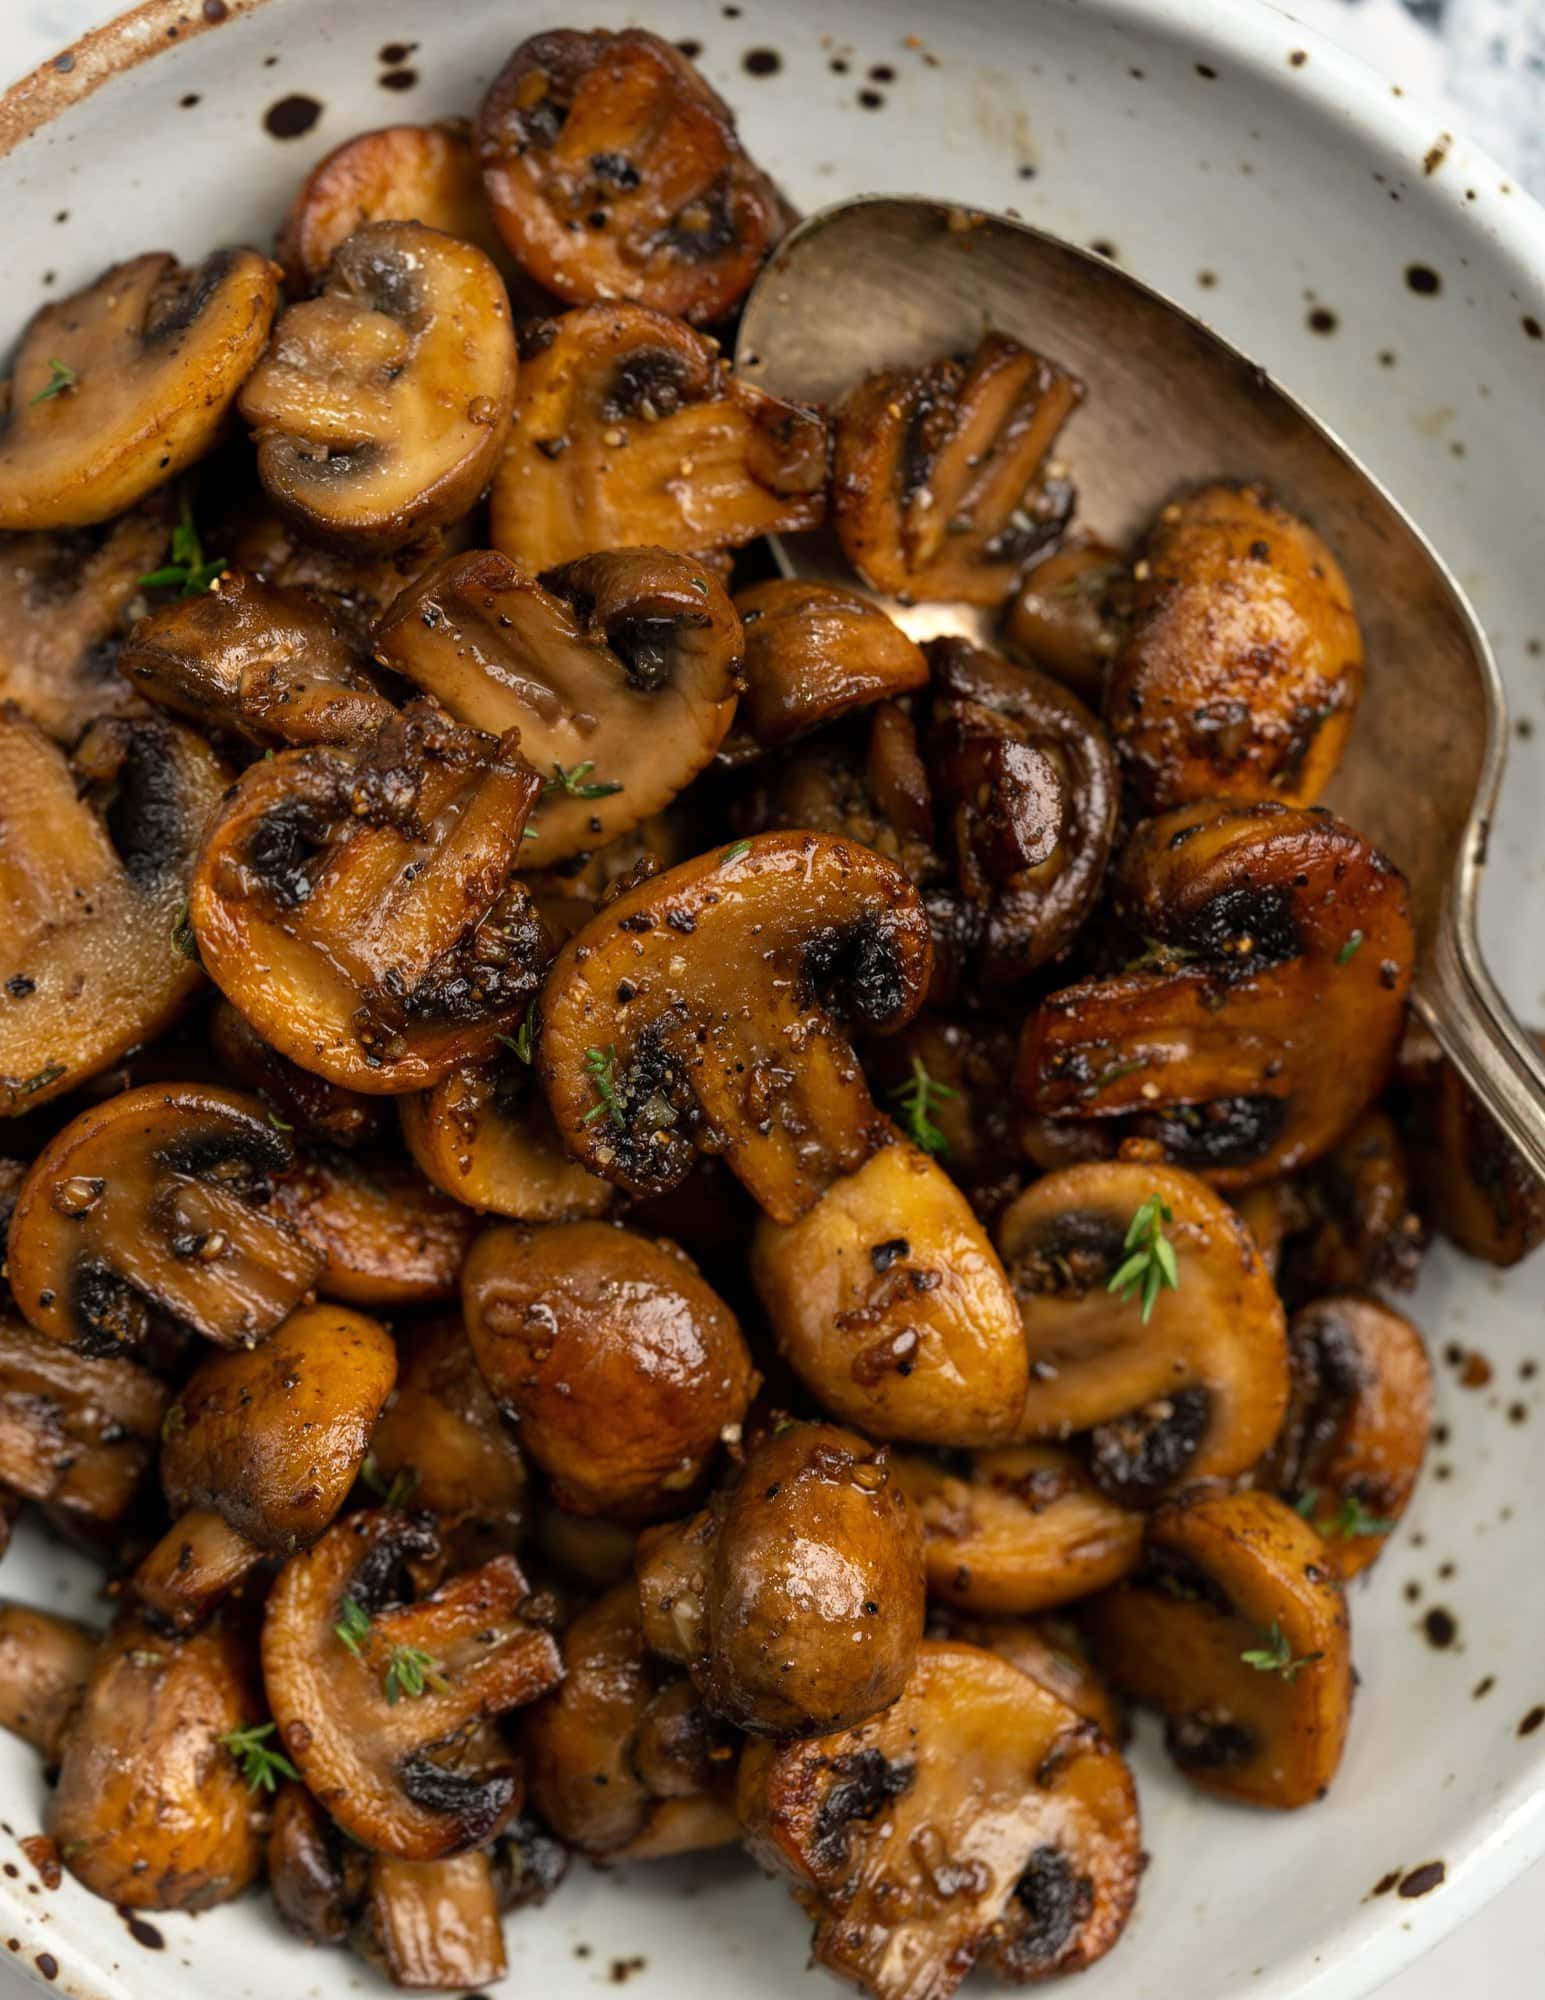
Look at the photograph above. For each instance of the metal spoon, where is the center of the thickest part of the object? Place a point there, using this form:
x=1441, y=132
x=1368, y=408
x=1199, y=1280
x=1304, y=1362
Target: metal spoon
x=881, y=282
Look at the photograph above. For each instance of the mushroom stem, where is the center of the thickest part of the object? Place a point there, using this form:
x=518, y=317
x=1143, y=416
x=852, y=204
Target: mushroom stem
x=197, y=1561
x=44, y=1661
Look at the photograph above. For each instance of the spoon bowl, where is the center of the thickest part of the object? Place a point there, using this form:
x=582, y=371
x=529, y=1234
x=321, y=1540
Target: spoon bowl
x=882, y=282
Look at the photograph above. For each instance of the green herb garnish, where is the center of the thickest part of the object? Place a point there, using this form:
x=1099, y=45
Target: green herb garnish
x=1150, y=1264
x=736, y=853
x=1355, y=1519
x=1277, y=1657
x=519, y=1044
x=600, y=1065
x=353, y=1628
x=1350, y=949
x=184, y=943
x=261, y=1767
x=189, y=570
x=41, y=1081
x=175, y=1419
x=411, y=1671
x=60, y=381
x=392, y=1493
x=577, y=783
x=915, y=1100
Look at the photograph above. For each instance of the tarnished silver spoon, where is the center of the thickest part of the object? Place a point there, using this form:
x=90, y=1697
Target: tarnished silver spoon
x=885, y=282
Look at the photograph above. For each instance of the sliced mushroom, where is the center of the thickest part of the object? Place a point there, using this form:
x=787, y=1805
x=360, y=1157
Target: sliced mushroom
x=387, y=1705
x=263, y=1444
x=814, y=652
x=952, y=1068
x=1051, y=1651
x=268, y=666
x=1236, y=1631
x=1177, y=1380
x=619, y=671
x=890, y=1305
x=77, y=1432
x=299, y=1100
x=795, y=1599
x=1018, y=1529
x=385, y=1236
x=620, y=1767
x=318, y=1878
x=434, y=1925
x=382, y=404
x=620, y=1367
x=93, y=887
x=711, y=1003
x=1349, y=1224
x=1283, y=949
x=401, y=173
x=614, y=172
x=372, y=887
x=117, y=389
x=45, y=1662
x=151, y=1214
x=1351, y=1449
x=1476, y=1187
x=941, y=480
x=980, y=1819
x=151, y=1811
x=1069, y=613
x=631, y=431
x=1240, y=672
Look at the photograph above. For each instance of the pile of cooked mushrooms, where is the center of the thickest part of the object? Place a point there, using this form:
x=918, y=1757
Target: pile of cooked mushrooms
x=640, y=1214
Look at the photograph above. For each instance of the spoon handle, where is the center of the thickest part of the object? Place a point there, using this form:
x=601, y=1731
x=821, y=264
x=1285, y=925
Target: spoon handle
x=1458, y=999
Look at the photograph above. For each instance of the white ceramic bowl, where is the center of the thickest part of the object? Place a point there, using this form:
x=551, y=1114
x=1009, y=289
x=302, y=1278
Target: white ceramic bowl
x=1283, y=191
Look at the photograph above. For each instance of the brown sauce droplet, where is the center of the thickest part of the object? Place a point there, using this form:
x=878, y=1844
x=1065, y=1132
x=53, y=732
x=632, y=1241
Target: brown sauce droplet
x=140, y=1931
x=690, y=49
x=761, y=62
x=1323, y=320
x=1386, y=1882
x=399, y=79
x=187, y=103
x=1298, y=57
x=1206, y=71
x=47, y=1965
x=1422, y=278
x=1483, y=1688
x=1532, y=327
x=1476, y=1372
x=1422, y=1881
x=1531, y=1721
x=871, y=100
x=1441, y=1627
x=291, y=117
x=1518, y=1413
x=216, y=11
x=396, y=52
x=881, y=73
x=623, y=1969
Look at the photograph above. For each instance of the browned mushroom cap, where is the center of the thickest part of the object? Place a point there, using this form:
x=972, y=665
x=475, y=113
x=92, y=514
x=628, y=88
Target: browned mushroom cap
x=151, y=1810
x=433, y=1925
x=795, y=1599
x=614, y=173
x=45, y=1662
x=630, y=431
x=890, y=1305
x=150, y=1214
x=1240, y=673
x=299, y=1100
x=620, y=1366
x=1067, y=617
x=357, y=906
x=1018, y=1529
x=1349, y=1224
x=318, y=1878
x=980, y=1818
x=1186, y=1382
x=382, y=404
x=485, y=1135
x=1356, y=1432
x=619, y=671
x=1032, y=859
x=386, y=1705
x=65, y=601
x=1284, y=951
x=814, y=652
x=266, y=1442
x=707, y=1008
x=969, y=1122
x=1051, y=1651
x=77, y=1432
x=385, y=1236
x=940, y=480
x=1236, y=1631
x=115, y=390
x=401, y=173
x=94, y=889
x=598, y=1751
x=269, y=666
x=1476, y=1187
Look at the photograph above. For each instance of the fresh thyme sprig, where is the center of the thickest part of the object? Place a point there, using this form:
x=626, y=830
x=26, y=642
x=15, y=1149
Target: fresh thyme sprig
x=600, y=1066
x=260, y=1766
x=1150, y=1263
x=519, y=1044
x=189, y=570
x=60, y=381
x=411, y=1671
x=1277, y=1656
x=915, y=1100
x=353, y=1627
x=577, y=783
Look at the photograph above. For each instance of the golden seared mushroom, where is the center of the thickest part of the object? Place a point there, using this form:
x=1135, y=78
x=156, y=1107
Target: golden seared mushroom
x=618, y=670
x=117, y=389
x=1235, y=1629
x=614, y=172
x=77, y=1432
x=1017, y=1529
x=1051, y=1651
x=978, y=1820
x=1349, y=1223
x=814, y=652
x=795, y=1598
x=95, y=858
x=1067, y=617
x=388, y=1705
x=1356, y=1433
x=1240, y=671
x=630, y=431
x=261, y=1449
x=383, y=403
x=268, y=666
x=299, y=1101
x=385, y=1236
x=401, y=173
x=890, y=1305
x=1265, y=1014
x=45, y=1662
x=623, y=1763
x=1029, y=856
x=1475, y=1185
x=942, y=483
x=150, y=1214
x=357, y=905
x=621, y=1368
x=152, y=1810
x=708, y=1009
x=433, y=1925
x=1150, y=1322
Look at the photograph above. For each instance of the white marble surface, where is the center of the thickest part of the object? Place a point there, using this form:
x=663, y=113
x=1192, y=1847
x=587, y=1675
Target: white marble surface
x=1487, y=74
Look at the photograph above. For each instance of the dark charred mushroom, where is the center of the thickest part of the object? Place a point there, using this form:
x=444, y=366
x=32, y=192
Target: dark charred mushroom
x=630, y=431
x=385, y=1236
x=1067, y=618
x=1476, y=1187
x=300, y=1101
x=1349, y=1224
x=614, y=172
x=382, y=404
x=318, y=1878
x=813, y=653
x=115, y=390
x=77, y=1432
x=971, y=1123
x=45, y=1662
